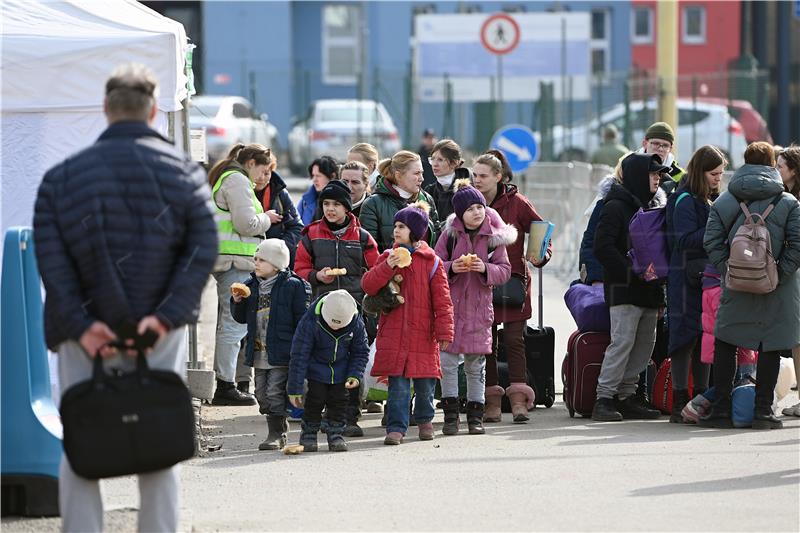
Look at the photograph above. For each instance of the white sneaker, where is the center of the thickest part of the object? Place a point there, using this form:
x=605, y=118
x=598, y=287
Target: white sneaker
x=793, y=410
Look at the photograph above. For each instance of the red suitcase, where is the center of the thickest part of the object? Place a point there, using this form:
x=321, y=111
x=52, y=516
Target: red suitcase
x=580, y=370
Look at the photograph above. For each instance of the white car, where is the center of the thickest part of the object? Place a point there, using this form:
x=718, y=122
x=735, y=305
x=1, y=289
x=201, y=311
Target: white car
x=332, y=126
x=229, y=120
x=698, y=124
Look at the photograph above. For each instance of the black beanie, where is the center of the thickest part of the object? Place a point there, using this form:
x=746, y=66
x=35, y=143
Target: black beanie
x=338, y=191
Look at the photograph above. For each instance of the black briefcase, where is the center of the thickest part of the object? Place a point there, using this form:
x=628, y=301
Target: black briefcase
x=127, y=423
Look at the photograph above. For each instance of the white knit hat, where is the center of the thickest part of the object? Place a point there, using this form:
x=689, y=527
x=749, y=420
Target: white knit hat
x=275, y=252
x=338, y=309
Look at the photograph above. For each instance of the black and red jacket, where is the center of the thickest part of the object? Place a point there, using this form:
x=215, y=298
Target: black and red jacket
x=354, y=250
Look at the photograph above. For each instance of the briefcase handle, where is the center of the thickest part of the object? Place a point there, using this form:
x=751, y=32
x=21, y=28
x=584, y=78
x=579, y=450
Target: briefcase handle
x=127, y=331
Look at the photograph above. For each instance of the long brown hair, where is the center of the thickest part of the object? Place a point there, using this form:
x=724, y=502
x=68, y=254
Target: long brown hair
x=399, y=162
x=705, y=159
x=240, y=154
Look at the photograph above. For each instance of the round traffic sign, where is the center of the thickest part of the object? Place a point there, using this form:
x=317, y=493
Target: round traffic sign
x=500, y=33
x=518, y=144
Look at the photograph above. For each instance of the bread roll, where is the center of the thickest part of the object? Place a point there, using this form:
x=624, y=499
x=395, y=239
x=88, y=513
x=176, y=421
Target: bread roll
x=337, y=272
x=403, y=256
x=240, y=289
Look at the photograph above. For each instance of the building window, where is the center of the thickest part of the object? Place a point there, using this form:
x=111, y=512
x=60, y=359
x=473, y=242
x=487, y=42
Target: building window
x=600, y=44
x=642, y=25
x=341, y=54
x=694, y=25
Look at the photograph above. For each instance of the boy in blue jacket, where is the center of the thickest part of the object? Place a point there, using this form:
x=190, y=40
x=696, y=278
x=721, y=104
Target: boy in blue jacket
x=273, y=286
x=330, y=352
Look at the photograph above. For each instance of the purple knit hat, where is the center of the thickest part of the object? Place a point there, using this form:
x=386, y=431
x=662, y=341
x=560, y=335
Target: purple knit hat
x=465, y=196
x=415, y=216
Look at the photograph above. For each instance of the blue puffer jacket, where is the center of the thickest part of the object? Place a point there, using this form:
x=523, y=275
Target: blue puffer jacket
x=289, y=300
x=586, y=258
x=123, y=229
x=307, y=207
x=324, y=355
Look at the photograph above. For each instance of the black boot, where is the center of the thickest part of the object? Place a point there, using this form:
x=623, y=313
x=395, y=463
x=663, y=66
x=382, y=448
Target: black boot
x=765, y=419
x=679, y=400
x=336, y=442
x=450, y=408
x=475, y=418
x=720, y=414
x=308, y=436
x=352, y=429
x=605, y=411
x=227, y=394
x=635, y=407
x=243, y=386
x=276, y=433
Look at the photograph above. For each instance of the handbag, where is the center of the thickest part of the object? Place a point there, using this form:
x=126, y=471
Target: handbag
x=127, y=422
x=511, y=293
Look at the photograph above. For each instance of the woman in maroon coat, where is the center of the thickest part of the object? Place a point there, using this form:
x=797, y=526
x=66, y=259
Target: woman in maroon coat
x=491, y=177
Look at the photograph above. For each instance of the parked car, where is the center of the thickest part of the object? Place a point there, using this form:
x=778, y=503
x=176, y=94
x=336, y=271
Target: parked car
x=229, y=120
x=698, y=124
x=755, y=127
x=332, y=126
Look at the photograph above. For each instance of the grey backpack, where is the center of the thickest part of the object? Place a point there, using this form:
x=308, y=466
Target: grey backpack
x=751, y=266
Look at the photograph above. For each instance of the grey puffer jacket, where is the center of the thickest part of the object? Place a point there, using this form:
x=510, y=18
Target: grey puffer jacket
x=767, y=321
x=235, y=195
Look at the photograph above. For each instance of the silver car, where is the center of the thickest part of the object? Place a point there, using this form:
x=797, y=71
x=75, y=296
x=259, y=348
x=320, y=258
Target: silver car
x=229, y=120
x=332, y=126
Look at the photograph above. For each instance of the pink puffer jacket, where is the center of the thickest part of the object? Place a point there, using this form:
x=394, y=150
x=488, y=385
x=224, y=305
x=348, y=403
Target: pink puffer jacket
x=711, y=298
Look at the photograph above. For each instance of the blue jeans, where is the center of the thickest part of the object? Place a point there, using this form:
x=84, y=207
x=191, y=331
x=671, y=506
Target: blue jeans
x=399, y=398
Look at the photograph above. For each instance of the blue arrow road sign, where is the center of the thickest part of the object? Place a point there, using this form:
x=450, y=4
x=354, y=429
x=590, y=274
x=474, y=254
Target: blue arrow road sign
x=518, y=145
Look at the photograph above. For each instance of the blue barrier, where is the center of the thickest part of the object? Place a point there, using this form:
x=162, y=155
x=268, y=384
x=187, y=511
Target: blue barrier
x=31, y=425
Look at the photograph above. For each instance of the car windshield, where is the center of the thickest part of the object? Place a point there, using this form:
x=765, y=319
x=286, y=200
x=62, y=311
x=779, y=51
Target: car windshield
x=348, y=114
x=203, y=109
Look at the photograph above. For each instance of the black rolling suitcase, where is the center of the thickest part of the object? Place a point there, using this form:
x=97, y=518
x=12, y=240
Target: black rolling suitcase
x=540, y=344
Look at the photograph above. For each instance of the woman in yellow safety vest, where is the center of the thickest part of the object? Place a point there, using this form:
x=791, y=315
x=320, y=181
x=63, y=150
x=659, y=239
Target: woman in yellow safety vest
x=241, y=224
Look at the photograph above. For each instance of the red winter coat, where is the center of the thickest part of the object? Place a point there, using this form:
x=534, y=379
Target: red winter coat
x=407, y=342
x=518, y=211
x=471, y=292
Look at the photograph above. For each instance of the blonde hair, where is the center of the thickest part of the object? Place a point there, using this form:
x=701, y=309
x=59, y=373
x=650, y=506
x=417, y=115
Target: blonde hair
x=491, y=161
x=367, y=153
x=356, y=165
x=399, y=162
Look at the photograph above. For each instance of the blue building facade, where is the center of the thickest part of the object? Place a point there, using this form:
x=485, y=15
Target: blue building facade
x=284, y=55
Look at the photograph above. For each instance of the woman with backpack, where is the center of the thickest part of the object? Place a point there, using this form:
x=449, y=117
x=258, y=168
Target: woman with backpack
x=765, y=320
x=633, y=302
x=687, y=214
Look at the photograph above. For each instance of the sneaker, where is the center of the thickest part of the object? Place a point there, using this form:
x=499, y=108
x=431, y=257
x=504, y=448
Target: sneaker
x=353, y=430
x=792, y=411
x=393, y=438
x=605, y=411
x=337, y=444
x=634, y=407
x=374, y=407
x=695, y=409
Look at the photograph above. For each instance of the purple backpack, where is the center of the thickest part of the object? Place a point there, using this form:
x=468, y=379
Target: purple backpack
x=649, y=251
x=587, y=304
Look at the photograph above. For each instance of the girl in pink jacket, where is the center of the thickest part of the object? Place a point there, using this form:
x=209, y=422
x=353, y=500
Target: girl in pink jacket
x=473, y=248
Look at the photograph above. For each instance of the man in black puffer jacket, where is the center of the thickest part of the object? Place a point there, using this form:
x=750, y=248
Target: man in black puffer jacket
x=634, y=303
x=124, y=233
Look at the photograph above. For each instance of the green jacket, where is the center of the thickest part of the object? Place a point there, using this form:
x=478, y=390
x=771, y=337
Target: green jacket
x=609, y=154
x=377, y=214
x=744, y=319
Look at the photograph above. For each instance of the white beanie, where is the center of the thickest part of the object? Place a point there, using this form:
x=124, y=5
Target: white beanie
x=275, y=252
x=338, y=309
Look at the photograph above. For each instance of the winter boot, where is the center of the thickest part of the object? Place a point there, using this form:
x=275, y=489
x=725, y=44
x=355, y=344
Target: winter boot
x=764, y=418
x=521, y=397
x=720, y=414
x=276, y=436
x=336, y=442
x=352, y=429
x=679, y=400
x=308, y=436
x=243, y=386
x=494, y=395
x=450, y=408
x=425, y=431
x=605, y=411
x=635, y=407
x=227, y=394
x=475, y=418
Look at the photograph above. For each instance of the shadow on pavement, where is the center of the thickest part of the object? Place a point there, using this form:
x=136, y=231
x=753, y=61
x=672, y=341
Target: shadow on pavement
x=756, y=481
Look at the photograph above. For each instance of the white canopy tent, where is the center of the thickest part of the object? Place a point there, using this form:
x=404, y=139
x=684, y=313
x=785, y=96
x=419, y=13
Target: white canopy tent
x=56, y=57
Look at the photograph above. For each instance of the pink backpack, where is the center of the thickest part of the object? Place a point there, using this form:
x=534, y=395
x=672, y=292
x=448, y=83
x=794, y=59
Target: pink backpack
x=751, y=267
